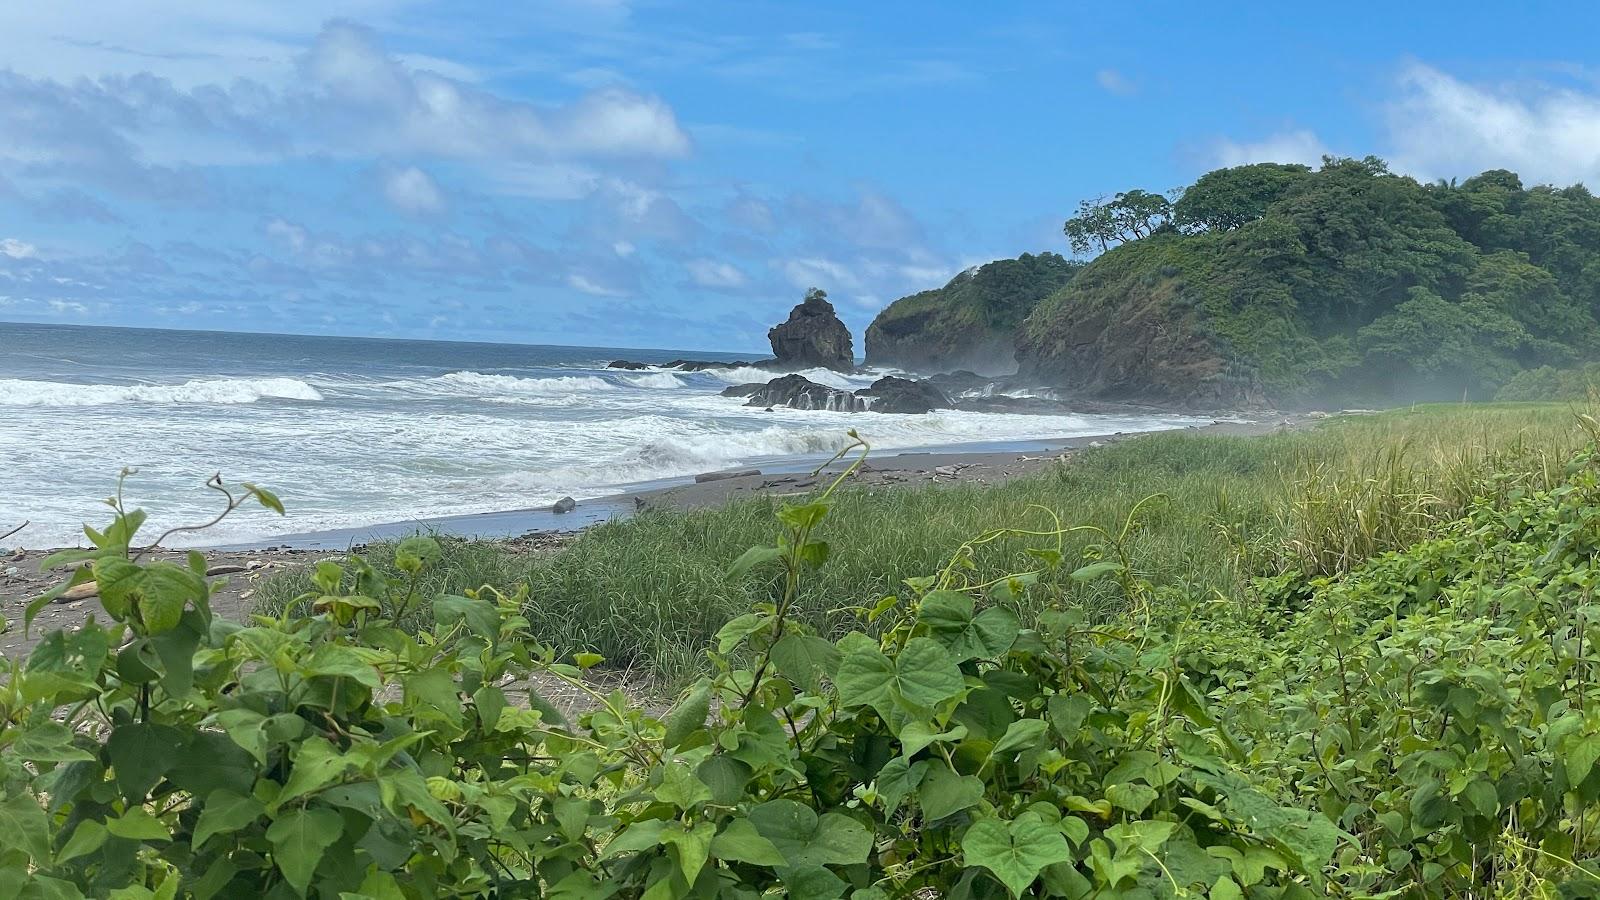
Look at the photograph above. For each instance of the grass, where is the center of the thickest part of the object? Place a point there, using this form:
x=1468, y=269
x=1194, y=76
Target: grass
x=648, y=592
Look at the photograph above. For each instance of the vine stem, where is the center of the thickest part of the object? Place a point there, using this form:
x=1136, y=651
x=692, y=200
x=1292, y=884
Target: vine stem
x=792, y=563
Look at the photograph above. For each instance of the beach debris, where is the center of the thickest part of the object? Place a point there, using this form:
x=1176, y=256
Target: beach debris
x=1097, y=444
x=564, y=505
x=255, y=564
x=12, y=571
x=225, y=569
x=1319, y=414
x=80, y=592
x=704, y=477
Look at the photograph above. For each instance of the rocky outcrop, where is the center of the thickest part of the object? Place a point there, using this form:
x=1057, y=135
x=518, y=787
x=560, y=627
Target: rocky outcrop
x=700, y=365
x=1129, y=330
x=903, y=395
x=799, y=392
x=813, y=336
x=969, y=323
x=693, y=365
x=962, y=381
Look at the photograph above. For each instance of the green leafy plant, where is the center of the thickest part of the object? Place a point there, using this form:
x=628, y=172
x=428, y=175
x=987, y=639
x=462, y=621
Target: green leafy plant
x=1420, y=726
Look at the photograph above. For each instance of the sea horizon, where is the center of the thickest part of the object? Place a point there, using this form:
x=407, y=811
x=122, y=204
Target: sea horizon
x=685, y=353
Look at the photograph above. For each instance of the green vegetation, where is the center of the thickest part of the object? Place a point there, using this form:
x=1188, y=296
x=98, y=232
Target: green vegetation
x=1130, y=215
x=969, y=323
x=1280, y=284
x=1313, y=500
x=1546, y=384
x=1391, y=700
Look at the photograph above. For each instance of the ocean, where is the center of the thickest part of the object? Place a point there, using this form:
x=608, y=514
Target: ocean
x=354, y=432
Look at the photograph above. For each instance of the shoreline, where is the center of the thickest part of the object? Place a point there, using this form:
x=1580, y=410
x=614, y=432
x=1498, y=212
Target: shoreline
x=1000, y=461
x=244, y=564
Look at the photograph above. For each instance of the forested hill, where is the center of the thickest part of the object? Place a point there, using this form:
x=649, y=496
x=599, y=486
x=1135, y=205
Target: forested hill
x=969, y=323
x=1279, y=284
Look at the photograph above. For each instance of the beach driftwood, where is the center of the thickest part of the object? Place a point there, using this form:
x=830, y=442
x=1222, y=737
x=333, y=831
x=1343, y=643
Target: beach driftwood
x=704, y=477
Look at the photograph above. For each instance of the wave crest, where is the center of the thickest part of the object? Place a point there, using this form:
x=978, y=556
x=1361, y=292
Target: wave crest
x=827, y=377
x=20, y=392
x=655, y=381
x=477, y=382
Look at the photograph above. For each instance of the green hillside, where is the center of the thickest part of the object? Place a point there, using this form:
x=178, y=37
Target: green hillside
x=1279, y=284
x=969, y=323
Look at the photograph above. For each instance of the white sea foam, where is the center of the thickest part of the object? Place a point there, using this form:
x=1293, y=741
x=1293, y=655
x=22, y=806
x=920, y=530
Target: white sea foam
x=17, y=392
x=655, y=381
x=751, y=375
x=480, y=384
x=384, y=446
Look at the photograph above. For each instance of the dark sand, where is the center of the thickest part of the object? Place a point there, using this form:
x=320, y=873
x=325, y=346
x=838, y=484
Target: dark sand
x=540, y=530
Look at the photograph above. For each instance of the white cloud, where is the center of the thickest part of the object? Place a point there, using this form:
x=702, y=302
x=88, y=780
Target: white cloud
x=750, y=212
x=714, y=274
x=1441, y=126
x=348, y=97
x=17, y=249
x=815, y=272
x=379, y=101
x=875, y=220
x=1113, y=82
x=586, y=285
x=1298, y=146
x=412, y=190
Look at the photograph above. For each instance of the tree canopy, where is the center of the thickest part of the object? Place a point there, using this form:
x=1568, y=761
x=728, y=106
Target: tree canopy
x=1346, y=281
x=1228, y=198
x=1126, y=217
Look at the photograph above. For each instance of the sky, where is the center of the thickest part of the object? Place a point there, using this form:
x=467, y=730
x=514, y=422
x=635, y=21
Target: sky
x=650, y=173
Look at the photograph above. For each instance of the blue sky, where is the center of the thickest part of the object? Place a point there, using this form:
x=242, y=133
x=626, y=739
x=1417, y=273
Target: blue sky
x=655, y=173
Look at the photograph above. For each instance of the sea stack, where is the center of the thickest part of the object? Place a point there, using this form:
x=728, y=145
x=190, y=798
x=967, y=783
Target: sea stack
x=813, y=336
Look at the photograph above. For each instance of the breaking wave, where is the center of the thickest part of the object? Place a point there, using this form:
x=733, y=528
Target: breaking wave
x=17, y=392
x=655, y=381
x=479, y=383
x=828, y=377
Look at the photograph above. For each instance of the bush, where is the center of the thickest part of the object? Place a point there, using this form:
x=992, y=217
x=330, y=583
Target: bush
x=1420, y=726
x=1547, y=384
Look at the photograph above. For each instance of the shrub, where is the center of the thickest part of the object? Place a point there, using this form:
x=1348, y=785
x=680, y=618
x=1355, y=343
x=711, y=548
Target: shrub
x=1419, y=726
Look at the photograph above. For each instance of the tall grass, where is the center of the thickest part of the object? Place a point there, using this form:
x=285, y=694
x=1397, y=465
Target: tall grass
x=649, y=592
x=1359, y=487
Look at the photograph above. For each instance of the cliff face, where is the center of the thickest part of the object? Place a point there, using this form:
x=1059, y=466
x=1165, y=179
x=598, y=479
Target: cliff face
x=969, y=323
x=813, y=336
x=1125, y=332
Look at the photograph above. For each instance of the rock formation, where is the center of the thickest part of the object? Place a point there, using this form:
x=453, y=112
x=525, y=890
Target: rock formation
x=903, y=395
x=813, y=336
x=969, y=323
x=799, y=392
